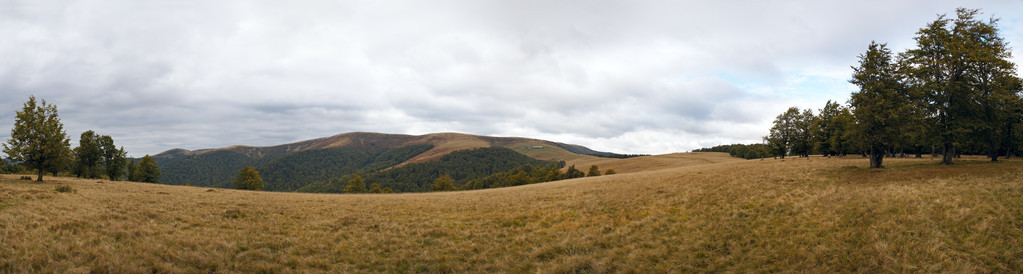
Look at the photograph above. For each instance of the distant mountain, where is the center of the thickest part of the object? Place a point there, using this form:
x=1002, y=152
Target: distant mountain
x=313, y=164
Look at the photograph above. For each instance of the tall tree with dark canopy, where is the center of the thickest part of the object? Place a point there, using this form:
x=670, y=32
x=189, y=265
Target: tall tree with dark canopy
x=38, y=139
x=88, y=155
x=785, y=131
x=880, y=105
x=113, y=158
x=961, y=66
x=147, y=170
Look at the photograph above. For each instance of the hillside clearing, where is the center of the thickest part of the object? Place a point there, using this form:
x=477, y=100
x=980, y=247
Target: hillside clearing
x=820, y=215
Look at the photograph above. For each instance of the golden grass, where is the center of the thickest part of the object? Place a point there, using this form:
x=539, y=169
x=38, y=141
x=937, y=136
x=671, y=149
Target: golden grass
x=817, y=215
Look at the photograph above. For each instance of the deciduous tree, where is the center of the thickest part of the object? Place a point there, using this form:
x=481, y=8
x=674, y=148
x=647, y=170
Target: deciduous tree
x=248, y=179
x=443, y=183
x=355, y=185
x=38, y=139
x=147, y=170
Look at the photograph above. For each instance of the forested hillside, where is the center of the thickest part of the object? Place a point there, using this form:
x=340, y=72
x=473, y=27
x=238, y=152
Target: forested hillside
x=285, y=172
x=463, y=166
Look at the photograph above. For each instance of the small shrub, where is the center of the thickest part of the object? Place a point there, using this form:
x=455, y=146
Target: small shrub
x=610, y=171
x=26, y=178
x=65, y=189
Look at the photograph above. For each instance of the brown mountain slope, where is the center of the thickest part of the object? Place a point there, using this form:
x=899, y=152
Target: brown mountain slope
x=443, y=143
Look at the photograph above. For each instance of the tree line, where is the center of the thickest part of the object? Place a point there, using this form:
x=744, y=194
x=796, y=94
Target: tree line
x=39, y=143
x=955, y=93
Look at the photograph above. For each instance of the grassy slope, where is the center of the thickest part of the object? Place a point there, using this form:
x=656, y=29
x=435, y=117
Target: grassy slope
x=822, y=215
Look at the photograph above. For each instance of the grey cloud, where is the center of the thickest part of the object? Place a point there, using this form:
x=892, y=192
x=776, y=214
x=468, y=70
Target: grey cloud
x=649, y=76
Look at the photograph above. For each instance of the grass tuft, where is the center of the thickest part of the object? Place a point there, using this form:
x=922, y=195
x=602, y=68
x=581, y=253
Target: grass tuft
x=65, y=189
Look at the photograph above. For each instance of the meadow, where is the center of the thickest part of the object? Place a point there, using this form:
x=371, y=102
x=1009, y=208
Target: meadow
x=693, y=212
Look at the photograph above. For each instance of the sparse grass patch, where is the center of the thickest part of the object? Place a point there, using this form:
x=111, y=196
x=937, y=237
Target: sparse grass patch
x=65, y=189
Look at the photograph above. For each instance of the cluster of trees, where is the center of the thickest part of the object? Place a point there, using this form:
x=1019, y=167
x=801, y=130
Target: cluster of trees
x=750, y=151
x=38, y=142
x=956, y=92
x=97, y=153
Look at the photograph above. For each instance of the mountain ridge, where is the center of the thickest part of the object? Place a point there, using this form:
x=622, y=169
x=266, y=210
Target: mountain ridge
x=444, y=143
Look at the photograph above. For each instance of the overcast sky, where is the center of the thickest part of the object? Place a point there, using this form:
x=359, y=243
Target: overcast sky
x=621, y=76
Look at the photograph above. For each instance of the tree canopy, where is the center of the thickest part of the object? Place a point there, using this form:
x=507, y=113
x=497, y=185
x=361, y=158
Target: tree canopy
x=38, y=139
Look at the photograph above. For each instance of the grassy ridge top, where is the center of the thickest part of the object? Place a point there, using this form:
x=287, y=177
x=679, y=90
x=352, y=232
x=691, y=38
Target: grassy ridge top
x=798, y=214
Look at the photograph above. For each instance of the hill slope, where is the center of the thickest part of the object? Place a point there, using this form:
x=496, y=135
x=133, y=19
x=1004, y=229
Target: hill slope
x=297, y=165
x=818, y=215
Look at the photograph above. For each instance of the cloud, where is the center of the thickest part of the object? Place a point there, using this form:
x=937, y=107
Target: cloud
x=623, y=76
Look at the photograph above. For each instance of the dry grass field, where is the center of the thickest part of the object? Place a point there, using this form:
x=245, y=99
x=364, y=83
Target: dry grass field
x=816, y=215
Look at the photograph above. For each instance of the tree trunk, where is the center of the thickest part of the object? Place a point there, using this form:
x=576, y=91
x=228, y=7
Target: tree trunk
x=40, y=178
x=947, y=154
x=876, y=156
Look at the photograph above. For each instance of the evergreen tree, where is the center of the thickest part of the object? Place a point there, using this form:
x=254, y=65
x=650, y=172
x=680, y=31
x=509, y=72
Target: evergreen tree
x=147, y=170
x=881, y=104
x=594, y=171
x=355, y=185
x=443, y=183
x=38, y=139
x=248, y=178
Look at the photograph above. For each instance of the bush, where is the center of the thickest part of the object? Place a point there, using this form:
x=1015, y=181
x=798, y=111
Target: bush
x=65, y=189
x=26, y=178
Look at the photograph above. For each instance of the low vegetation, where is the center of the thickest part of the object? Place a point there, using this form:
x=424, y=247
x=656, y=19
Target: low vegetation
x=808, y=214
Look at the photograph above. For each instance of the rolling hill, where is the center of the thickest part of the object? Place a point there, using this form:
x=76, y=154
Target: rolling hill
x=694, y=212
x=296, y=166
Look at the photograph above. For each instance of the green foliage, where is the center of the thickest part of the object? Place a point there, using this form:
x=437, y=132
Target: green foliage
x=355, y=185
x=113, y=158
x=131, y=167
x=308, y=171
x=594, y=171
x=573, y=173
x=8, y=167
x=610, y=171
x=148, y=170
x=463, y=166
x=210, y=169
x=443, y=183
x=881, y=104
x=38, y=139
x=248, y=178
x=523, y=175
x=88, y=155
x=787, y=134
x=961, y=69
x=375, y=188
